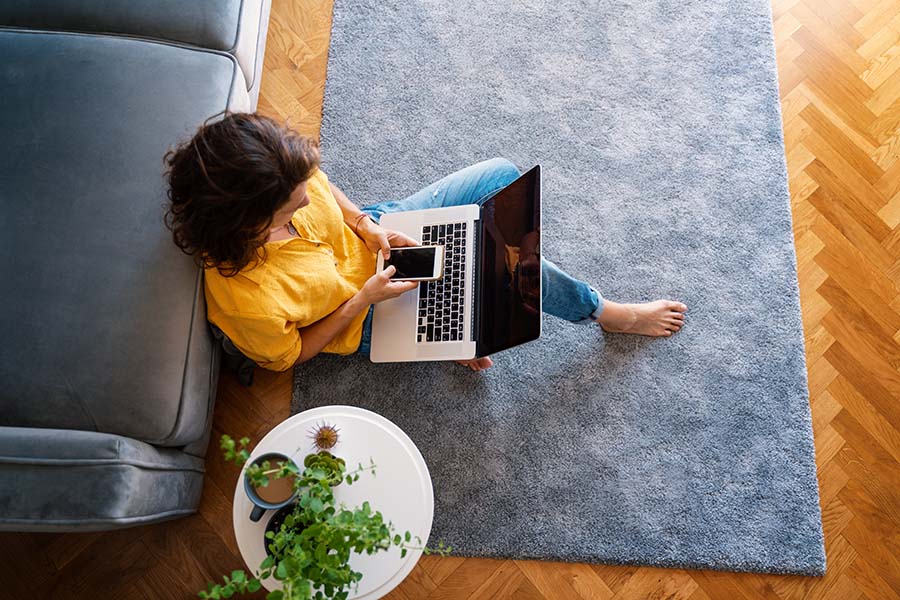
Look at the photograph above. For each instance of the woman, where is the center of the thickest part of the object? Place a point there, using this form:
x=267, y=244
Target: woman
x=290, y=261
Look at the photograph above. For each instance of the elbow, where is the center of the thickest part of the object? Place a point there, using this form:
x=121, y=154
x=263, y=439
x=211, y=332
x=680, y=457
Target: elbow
x=304, y=357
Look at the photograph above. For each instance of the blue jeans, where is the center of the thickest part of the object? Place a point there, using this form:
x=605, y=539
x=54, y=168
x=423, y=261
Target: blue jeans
x=562, y=295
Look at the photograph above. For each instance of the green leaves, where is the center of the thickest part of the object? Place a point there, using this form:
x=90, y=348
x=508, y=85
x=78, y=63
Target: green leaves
x=236, y=583
x=231, y=452
x=312, y=549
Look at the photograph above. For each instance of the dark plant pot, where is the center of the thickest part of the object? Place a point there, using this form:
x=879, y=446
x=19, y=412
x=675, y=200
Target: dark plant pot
x=274, y=524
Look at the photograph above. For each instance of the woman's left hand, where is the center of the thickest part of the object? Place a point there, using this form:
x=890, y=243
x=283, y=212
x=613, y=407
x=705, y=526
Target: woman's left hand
x=379, y=239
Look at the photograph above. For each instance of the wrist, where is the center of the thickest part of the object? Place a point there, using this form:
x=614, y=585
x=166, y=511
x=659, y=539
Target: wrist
x=360, y=224
x=359, y=302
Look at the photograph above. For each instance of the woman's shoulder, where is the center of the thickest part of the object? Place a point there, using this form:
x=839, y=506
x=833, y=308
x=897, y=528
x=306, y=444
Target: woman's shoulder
x=225, y=276
x=317, y=182
x=284, y=274
x=252, y=291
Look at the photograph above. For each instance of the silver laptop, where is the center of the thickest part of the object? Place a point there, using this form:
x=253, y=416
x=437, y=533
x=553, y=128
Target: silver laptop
x=489, y=297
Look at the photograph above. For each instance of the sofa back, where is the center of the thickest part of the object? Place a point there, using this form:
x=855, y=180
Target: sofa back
x=103, y=318
x=208, y=24
x=233, y=26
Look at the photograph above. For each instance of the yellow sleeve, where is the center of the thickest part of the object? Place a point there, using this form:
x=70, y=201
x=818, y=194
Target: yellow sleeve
x=271, y=342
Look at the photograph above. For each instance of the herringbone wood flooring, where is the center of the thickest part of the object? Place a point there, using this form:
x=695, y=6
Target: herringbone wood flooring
x=839, y=68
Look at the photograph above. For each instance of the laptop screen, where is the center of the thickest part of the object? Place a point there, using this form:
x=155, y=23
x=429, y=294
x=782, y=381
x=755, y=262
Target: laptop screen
x=510, y=286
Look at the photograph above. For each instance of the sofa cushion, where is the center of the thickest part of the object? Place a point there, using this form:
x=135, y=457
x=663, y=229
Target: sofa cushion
x=228, y=25
x=57, y=479
x=103, y=322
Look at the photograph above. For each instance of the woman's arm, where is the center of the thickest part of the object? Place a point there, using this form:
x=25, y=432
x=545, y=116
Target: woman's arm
x=350, y=211
x=378, y=287
x=319, y=334
x=368, y=230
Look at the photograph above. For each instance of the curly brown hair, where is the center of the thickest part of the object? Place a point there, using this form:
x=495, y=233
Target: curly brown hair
x=226, y=184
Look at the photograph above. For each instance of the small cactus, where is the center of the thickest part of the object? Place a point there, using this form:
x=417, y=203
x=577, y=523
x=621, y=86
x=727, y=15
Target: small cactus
x=324, y=436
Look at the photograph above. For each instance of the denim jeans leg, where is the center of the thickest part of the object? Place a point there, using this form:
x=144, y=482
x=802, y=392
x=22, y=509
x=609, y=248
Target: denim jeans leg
x=472, y=185
x=365, y=343
x=568, y=298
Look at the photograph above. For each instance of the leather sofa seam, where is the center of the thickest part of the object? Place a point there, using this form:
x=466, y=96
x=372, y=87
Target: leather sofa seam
x=88, y=462
x=237, y=38
x=127, y=36
x=137, y=519
x=237, y=30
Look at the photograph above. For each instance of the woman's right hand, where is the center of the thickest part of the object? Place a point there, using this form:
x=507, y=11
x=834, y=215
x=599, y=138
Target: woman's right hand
x=379, y=287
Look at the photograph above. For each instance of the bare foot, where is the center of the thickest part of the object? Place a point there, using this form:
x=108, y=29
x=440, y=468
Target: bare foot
x=659, y=318
x=477, y=364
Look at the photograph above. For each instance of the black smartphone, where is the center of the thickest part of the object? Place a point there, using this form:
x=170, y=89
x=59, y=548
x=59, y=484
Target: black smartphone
x=415, y=263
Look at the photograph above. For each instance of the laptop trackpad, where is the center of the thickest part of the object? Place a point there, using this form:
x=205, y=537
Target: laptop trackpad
x=394, y=329
x=446, y=351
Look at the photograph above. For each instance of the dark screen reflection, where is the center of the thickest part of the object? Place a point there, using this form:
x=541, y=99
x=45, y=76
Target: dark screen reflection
x=411, y=262
x=511, y=266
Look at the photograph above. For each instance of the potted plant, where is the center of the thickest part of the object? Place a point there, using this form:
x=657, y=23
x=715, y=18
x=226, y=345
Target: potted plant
x=309, y=543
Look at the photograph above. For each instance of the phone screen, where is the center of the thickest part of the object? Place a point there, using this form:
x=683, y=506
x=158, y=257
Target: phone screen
x=411, y=262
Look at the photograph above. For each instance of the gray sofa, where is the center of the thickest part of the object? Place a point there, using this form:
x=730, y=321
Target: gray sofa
x=108, y=368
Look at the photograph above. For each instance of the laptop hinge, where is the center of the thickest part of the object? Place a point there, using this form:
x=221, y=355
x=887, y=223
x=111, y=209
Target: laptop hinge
x=476, y=288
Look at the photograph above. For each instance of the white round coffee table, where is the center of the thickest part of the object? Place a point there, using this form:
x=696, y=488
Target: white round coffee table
x=401, y=489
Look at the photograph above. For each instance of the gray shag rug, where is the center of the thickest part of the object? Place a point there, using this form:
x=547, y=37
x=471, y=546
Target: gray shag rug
x=658, y=127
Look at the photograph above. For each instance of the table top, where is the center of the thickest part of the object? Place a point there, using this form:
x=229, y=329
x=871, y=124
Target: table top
x=401, y=489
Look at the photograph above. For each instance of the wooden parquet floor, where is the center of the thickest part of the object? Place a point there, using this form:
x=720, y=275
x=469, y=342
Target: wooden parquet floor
x=839, y=70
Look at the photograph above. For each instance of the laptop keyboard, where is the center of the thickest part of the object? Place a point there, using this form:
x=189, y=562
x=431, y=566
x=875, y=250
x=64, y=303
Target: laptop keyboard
x=441, y=302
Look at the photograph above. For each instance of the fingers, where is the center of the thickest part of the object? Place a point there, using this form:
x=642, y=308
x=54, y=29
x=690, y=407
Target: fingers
x=399, y=239
x=405, y=240
x=401, y=287
x=397, y=286
x=385, y=245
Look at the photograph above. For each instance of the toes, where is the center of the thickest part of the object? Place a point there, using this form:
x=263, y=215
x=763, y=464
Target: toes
x=675, y=315
x=676, y=306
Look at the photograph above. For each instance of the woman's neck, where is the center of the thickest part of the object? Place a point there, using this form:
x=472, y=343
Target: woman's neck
x=284, y=232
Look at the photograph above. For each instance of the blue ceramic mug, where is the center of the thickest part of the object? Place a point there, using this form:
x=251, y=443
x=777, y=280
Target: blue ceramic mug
x=260, y=505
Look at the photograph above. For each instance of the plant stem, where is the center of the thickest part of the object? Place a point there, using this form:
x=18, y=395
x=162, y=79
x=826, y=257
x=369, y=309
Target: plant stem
x=355, y=471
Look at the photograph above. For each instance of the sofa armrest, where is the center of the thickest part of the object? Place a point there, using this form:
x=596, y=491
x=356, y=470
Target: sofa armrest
x=67, y=480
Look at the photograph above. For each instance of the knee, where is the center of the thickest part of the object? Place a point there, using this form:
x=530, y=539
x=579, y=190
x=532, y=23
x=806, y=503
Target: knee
x=503, y=168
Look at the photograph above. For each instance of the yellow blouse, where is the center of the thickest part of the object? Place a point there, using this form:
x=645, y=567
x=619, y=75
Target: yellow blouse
x=303, y=280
